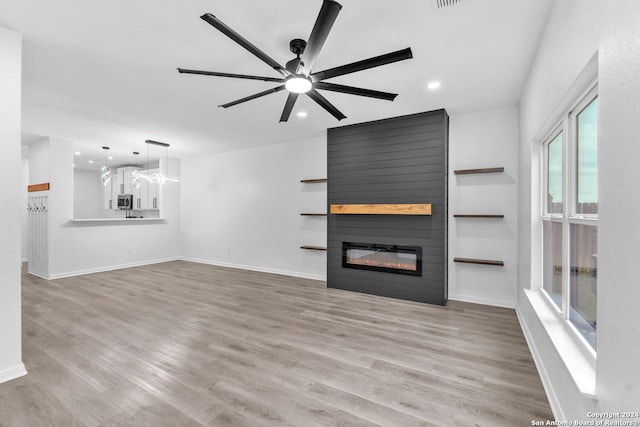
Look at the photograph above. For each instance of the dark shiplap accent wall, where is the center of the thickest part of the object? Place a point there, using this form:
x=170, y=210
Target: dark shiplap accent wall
x=398, y=160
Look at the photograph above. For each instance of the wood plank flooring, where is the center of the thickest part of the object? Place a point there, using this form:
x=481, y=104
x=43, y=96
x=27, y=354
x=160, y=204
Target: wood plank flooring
x=185, y=344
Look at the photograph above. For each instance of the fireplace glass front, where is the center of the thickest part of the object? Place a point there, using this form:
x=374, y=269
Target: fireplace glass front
x=381, y=257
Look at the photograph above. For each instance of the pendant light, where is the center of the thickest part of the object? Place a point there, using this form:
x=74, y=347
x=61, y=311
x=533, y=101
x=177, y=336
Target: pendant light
x=106, y=171
x=136, y=175
x=160, y=177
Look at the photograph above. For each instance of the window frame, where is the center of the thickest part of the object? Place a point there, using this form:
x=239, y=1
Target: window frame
x=568, y=126
x=557, y=130
x=588, y=97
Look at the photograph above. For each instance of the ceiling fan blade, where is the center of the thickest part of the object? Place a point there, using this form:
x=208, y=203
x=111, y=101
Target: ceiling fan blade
x=355, y=91
x=249, y=98
x=399, y=55
x=288, y=106
x=218, y=24
x=235, y=76
x=324, y=22
x=322, y=101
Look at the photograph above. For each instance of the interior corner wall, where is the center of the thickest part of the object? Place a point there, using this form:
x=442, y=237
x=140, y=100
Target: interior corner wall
x=10, y=222
x=242, y=208
x=577, y=30
x=484, y=139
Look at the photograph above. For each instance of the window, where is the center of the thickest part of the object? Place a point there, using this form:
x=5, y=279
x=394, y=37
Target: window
x=570, y=216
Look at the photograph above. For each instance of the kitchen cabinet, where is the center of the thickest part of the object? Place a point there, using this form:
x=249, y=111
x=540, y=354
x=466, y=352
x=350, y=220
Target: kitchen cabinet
x=150, y=193
x=115, y=190
x=111, y=191
x=124, y=179
x=145, y=197
x=137, y=193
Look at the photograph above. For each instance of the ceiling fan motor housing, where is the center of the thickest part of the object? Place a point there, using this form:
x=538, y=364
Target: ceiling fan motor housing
x=297, y=46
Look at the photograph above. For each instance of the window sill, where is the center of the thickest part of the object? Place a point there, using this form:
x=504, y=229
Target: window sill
x=578, y=358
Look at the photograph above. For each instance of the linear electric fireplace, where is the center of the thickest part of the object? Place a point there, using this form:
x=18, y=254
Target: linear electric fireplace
x=386, y=258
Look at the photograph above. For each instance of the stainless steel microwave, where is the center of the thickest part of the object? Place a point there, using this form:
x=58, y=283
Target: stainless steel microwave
x=125, y=201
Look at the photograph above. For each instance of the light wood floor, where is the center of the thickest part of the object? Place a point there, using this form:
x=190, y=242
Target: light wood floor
x=185, y=344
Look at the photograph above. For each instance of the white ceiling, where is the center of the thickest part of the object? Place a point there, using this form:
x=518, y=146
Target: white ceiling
x=104, y=73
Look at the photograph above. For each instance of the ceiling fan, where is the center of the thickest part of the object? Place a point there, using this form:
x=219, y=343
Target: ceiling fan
x=297, y=76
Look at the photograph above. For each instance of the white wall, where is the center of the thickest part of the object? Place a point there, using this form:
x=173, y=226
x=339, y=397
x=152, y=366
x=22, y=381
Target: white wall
x=618, y=365
x=88, y=195
x=10, y=224
x=39, y=162
x=480, y=140
x=578, y=30
x=242, y=208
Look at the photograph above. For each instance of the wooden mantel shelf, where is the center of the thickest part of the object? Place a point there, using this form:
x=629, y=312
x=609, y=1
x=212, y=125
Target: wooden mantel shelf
x=382, y=209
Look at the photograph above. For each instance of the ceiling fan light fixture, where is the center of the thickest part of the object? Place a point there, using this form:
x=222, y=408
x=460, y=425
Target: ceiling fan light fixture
x=298, y=84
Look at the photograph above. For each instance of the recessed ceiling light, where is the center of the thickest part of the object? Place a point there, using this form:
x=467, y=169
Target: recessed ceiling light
x=90, y=161
x=110, y=157
x=302, y=114
x=77, y=153
x=433, y=85
x=74, y=165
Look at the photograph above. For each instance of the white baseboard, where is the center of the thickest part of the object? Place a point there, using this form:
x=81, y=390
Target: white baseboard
x=108, y=268
x=558, y=413
x=254, y=268
x=12, y=373
x=483, y=300
x=38, y=275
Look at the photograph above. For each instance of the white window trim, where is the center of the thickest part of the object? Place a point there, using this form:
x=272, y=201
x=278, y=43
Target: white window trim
x=577, y=355
x=568, y=121
x=576, y=352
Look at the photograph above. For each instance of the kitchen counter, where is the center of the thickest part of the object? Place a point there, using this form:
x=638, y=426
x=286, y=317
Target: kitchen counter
x=102, y=220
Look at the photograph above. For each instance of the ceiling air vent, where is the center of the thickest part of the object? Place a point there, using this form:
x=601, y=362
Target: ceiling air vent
x=444, y=4
x=439, y=4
